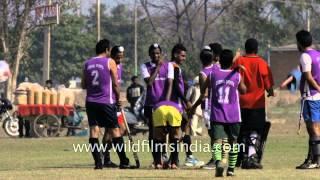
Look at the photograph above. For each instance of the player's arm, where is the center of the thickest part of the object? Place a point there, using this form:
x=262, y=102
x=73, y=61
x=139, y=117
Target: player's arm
x=177, y=89
x=202, y=83
x=206, y=86
x=311, y=80
x=170, y=78
x=114, y=78
x=242, y=87
x=169, y=89
x=267, y=78
x=83, y=79
x=237, y=56
x=286, y=82
x=149, y=80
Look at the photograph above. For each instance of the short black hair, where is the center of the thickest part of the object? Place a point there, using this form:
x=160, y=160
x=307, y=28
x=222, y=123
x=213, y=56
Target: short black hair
x=177, y=49
x=153, y=47
x=49, y=81
x=216, y=48
x=206, y=56
x=133, y=78
x=251, y=46
x=115, y=50
x=102, y=46
x=304, y=38
x=226, y=58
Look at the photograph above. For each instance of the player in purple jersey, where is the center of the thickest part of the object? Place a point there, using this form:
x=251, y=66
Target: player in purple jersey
x=209, y=57
x=103, y=93
x=178, y=56
x=310, y=92
x=158, y=77
x=117, y=53
x=225, y=118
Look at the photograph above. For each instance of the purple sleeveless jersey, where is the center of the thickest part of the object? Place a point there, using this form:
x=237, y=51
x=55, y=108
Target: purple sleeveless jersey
x=119, y=73
x=98, y=81
x=225, y=106
x=168, y=103
x=315, y=71
x=206, y=104
x=157, y=92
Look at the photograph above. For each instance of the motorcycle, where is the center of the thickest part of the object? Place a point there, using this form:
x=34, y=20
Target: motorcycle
x=10, y=122
x=135, y=116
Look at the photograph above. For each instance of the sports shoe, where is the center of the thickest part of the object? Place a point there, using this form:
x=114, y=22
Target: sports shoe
x=191, y=161
x=98, y=167
x=308, y=164
x=210, y=165
x=230, y=172
x=141, y=126
x=125, y=165
x=304, y=164
x=251, y=163
x=219, y=169
x=110, y=164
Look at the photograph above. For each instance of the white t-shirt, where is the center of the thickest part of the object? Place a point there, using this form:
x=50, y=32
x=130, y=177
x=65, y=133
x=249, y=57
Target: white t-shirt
x=145, y=73
x=306, y=64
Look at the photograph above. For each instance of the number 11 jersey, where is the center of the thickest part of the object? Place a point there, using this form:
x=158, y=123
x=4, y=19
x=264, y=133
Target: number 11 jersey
x=225, y=105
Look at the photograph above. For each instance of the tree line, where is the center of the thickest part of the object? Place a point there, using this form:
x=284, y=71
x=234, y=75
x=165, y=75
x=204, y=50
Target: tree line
x=194, y=23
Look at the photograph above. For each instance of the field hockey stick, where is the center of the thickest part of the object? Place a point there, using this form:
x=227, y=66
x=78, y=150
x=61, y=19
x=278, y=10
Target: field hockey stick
x=135, y=154
x=300, y=116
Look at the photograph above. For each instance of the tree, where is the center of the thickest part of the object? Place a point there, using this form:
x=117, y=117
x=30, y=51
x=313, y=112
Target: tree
x=71, y=45
x=14, y=30
x=185, y=22
x=117, y=26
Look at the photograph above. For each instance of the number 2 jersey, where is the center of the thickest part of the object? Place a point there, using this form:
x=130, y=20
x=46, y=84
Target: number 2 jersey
x=98, y=80
x=224, y=95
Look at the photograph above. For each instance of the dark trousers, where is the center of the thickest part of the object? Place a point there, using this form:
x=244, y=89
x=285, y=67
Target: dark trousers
x=24, y=124
x=252, y=120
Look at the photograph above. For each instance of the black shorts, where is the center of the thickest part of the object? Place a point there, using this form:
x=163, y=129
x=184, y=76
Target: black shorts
x=102, y=115
x=253, y=119
x=225, y=130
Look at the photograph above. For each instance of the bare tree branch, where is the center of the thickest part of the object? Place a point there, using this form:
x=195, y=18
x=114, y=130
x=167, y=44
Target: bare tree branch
x=210, y=22
x=189, y=25
x=144, y=4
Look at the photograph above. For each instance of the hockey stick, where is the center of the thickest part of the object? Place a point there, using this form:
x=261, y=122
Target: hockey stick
x=264, y=136
x=135, y=154
x=264, y=139
x=300, y=116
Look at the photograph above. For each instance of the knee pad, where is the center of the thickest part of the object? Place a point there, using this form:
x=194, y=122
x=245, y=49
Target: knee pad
x=254, y=139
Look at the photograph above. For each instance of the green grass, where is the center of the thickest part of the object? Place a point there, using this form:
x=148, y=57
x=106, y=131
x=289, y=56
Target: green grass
x=54, y=158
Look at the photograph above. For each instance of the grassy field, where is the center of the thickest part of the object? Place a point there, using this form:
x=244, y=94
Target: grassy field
x=54, y=158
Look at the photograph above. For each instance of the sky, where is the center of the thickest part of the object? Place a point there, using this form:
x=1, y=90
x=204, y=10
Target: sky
x=87, y=4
